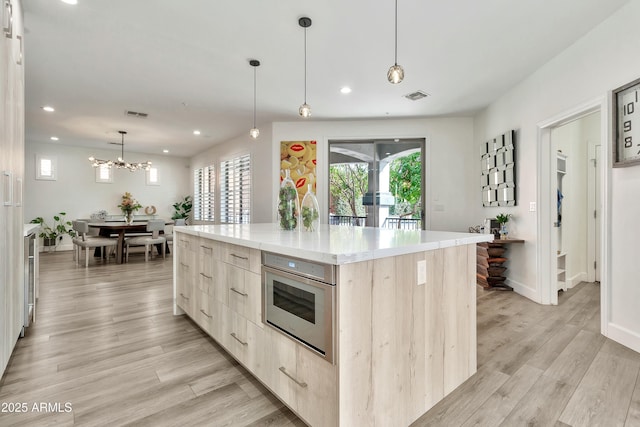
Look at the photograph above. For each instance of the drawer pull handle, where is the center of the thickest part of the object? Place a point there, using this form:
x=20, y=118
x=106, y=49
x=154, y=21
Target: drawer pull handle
x=206, y=247
x=183, y=265
x=239, y=293
x=205, y=276
x=184, y=296
x=246, y=258
x=205, y=313
x=284, y=371
x=233, y=334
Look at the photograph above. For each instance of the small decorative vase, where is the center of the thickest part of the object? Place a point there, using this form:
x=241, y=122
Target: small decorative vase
x=504, y=233
x=310, y=211
x=288, y=203
x=128, y=218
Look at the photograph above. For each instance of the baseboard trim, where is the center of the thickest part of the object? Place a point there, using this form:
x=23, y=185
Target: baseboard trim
x=623, y=336
x=524, y=290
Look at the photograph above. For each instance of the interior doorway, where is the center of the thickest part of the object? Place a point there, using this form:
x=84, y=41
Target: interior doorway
x=587, y=172
x=576, y=241
x=377, y=183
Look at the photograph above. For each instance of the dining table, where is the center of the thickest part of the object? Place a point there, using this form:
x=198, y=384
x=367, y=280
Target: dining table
x=121, y=228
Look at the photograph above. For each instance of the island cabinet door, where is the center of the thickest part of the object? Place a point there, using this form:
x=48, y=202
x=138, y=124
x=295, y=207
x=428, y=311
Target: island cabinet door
x=317, y=403
x=203, y=313
x=186, y=270
x=305, y=382
x=244, y=293
x=245, y=341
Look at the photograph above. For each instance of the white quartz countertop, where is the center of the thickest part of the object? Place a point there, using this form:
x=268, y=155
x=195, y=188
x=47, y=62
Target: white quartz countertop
x=334, y=244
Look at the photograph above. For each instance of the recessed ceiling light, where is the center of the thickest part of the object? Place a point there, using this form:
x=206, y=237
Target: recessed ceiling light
x=48, y=109
x=345, y=89
x=70, y=1
x=165, y=151
x=196, y=132
x=54, y=138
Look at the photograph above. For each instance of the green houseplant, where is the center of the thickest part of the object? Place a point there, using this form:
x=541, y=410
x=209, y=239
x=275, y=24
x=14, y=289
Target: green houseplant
x=53, y=234
x=182, y=209
x=503, y=219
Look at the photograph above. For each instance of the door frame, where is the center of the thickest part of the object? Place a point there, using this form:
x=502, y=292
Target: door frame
x=546, y=259
x=426, y=169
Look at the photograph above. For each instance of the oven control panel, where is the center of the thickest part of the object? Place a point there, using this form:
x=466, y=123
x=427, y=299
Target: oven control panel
x=314, y=270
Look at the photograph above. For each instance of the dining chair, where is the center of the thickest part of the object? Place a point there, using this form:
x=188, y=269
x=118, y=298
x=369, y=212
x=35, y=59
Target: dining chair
x=83, y=240
x=154, y=226
x=177, y=222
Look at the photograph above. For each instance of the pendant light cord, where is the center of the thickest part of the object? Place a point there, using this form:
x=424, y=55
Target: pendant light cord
x=122, y=146
x=396, y=51
x=254, y=97
x=305, y=65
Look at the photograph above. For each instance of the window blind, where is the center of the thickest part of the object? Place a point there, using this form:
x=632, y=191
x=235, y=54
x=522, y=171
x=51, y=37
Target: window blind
x=235, y=190
x=204, y=184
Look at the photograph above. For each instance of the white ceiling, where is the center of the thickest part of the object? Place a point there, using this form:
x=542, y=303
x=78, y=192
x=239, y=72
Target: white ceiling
x=185, y=63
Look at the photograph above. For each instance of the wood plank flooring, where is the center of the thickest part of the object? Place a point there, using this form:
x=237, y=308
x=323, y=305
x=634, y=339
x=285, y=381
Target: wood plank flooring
x=107, y=346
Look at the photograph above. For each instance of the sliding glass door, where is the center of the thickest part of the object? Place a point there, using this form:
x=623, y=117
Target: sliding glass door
x=377, y=183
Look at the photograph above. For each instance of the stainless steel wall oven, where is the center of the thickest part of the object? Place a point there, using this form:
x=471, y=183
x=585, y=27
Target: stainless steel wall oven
x=298, y=299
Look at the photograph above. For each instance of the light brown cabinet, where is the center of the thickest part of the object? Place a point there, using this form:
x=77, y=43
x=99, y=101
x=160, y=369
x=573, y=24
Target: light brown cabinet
x=400, y=346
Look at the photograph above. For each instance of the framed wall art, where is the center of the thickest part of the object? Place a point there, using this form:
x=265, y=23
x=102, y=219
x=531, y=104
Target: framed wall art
x=498, y=179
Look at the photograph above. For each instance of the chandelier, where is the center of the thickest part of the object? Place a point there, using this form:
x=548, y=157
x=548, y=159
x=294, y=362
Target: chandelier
x=120, y=163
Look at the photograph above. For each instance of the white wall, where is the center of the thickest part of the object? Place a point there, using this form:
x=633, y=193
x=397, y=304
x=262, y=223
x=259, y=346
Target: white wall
x=261, y=168
x=78, y=194
x=589, y=69
x=452, y=185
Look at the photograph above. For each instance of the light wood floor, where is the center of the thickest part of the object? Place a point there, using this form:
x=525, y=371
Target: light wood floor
x=106, y=343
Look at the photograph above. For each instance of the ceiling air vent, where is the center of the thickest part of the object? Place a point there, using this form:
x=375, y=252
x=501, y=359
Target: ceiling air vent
x=414, y=96
x=136, y=114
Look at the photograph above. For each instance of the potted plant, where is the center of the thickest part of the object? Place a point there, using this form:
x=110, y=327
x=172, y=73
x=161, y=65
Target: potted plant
x=52, y=235
x=182, y=209
x=503, y=219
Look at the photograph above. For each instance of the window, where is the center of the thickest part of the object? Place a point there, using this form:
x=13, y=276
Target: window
x=46, y=168
x=235, y=190
x=153, y=177
x=204, y=184
x=104, y=174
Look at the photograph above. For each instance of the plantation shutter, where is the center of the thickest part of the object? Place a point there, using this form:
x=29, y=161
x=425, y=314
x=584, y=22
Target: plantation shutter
x=235, y=190
x=204, y=183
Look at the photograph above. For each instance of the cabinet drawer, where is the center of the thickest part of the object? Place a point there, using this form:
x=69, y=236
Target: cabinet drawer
x=244, y=293
x=208, y=314
x=184, y=294
x=280, y=367
x=186, y=242
x=246, y=342
x=243, y=257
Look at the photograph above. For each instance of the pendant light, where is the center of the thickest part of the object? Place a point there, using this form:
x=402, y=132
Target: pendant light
x=120, y=163
x=305, y=109
x=396, y=72
x=254, y=132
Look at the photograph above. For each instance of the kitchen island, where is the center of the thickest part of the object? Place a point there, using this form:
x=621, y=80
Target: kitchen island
x=404, y=316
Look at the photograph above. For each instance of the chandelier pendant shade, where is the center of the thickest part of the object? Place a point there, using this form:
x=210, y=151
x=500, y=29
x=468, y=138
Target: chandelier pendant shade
x=254, y=132
x=305, y=109
x=396, y=72
x=120, y=163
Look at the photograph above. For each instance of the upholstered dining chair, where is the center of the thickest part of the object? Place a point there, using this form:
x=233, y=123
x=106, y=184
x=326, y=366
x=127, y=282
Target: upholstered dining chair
x=177, y=222
x=83, y=240
x=154, y=226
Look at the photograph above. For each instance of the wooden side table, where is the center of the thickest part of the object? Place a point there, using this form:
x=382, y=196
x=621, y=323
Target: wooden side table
x=490, y=257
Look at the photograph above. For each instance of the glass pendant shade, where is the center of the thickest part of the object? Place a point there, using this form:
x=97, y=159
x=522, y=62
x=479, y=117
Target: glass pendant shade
x=395, y=74
x=305, y=110
x=254, y=132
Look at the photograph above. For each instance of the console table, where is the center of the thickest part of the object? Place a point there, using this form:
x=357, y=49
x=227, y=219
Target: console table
x=490, y=257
